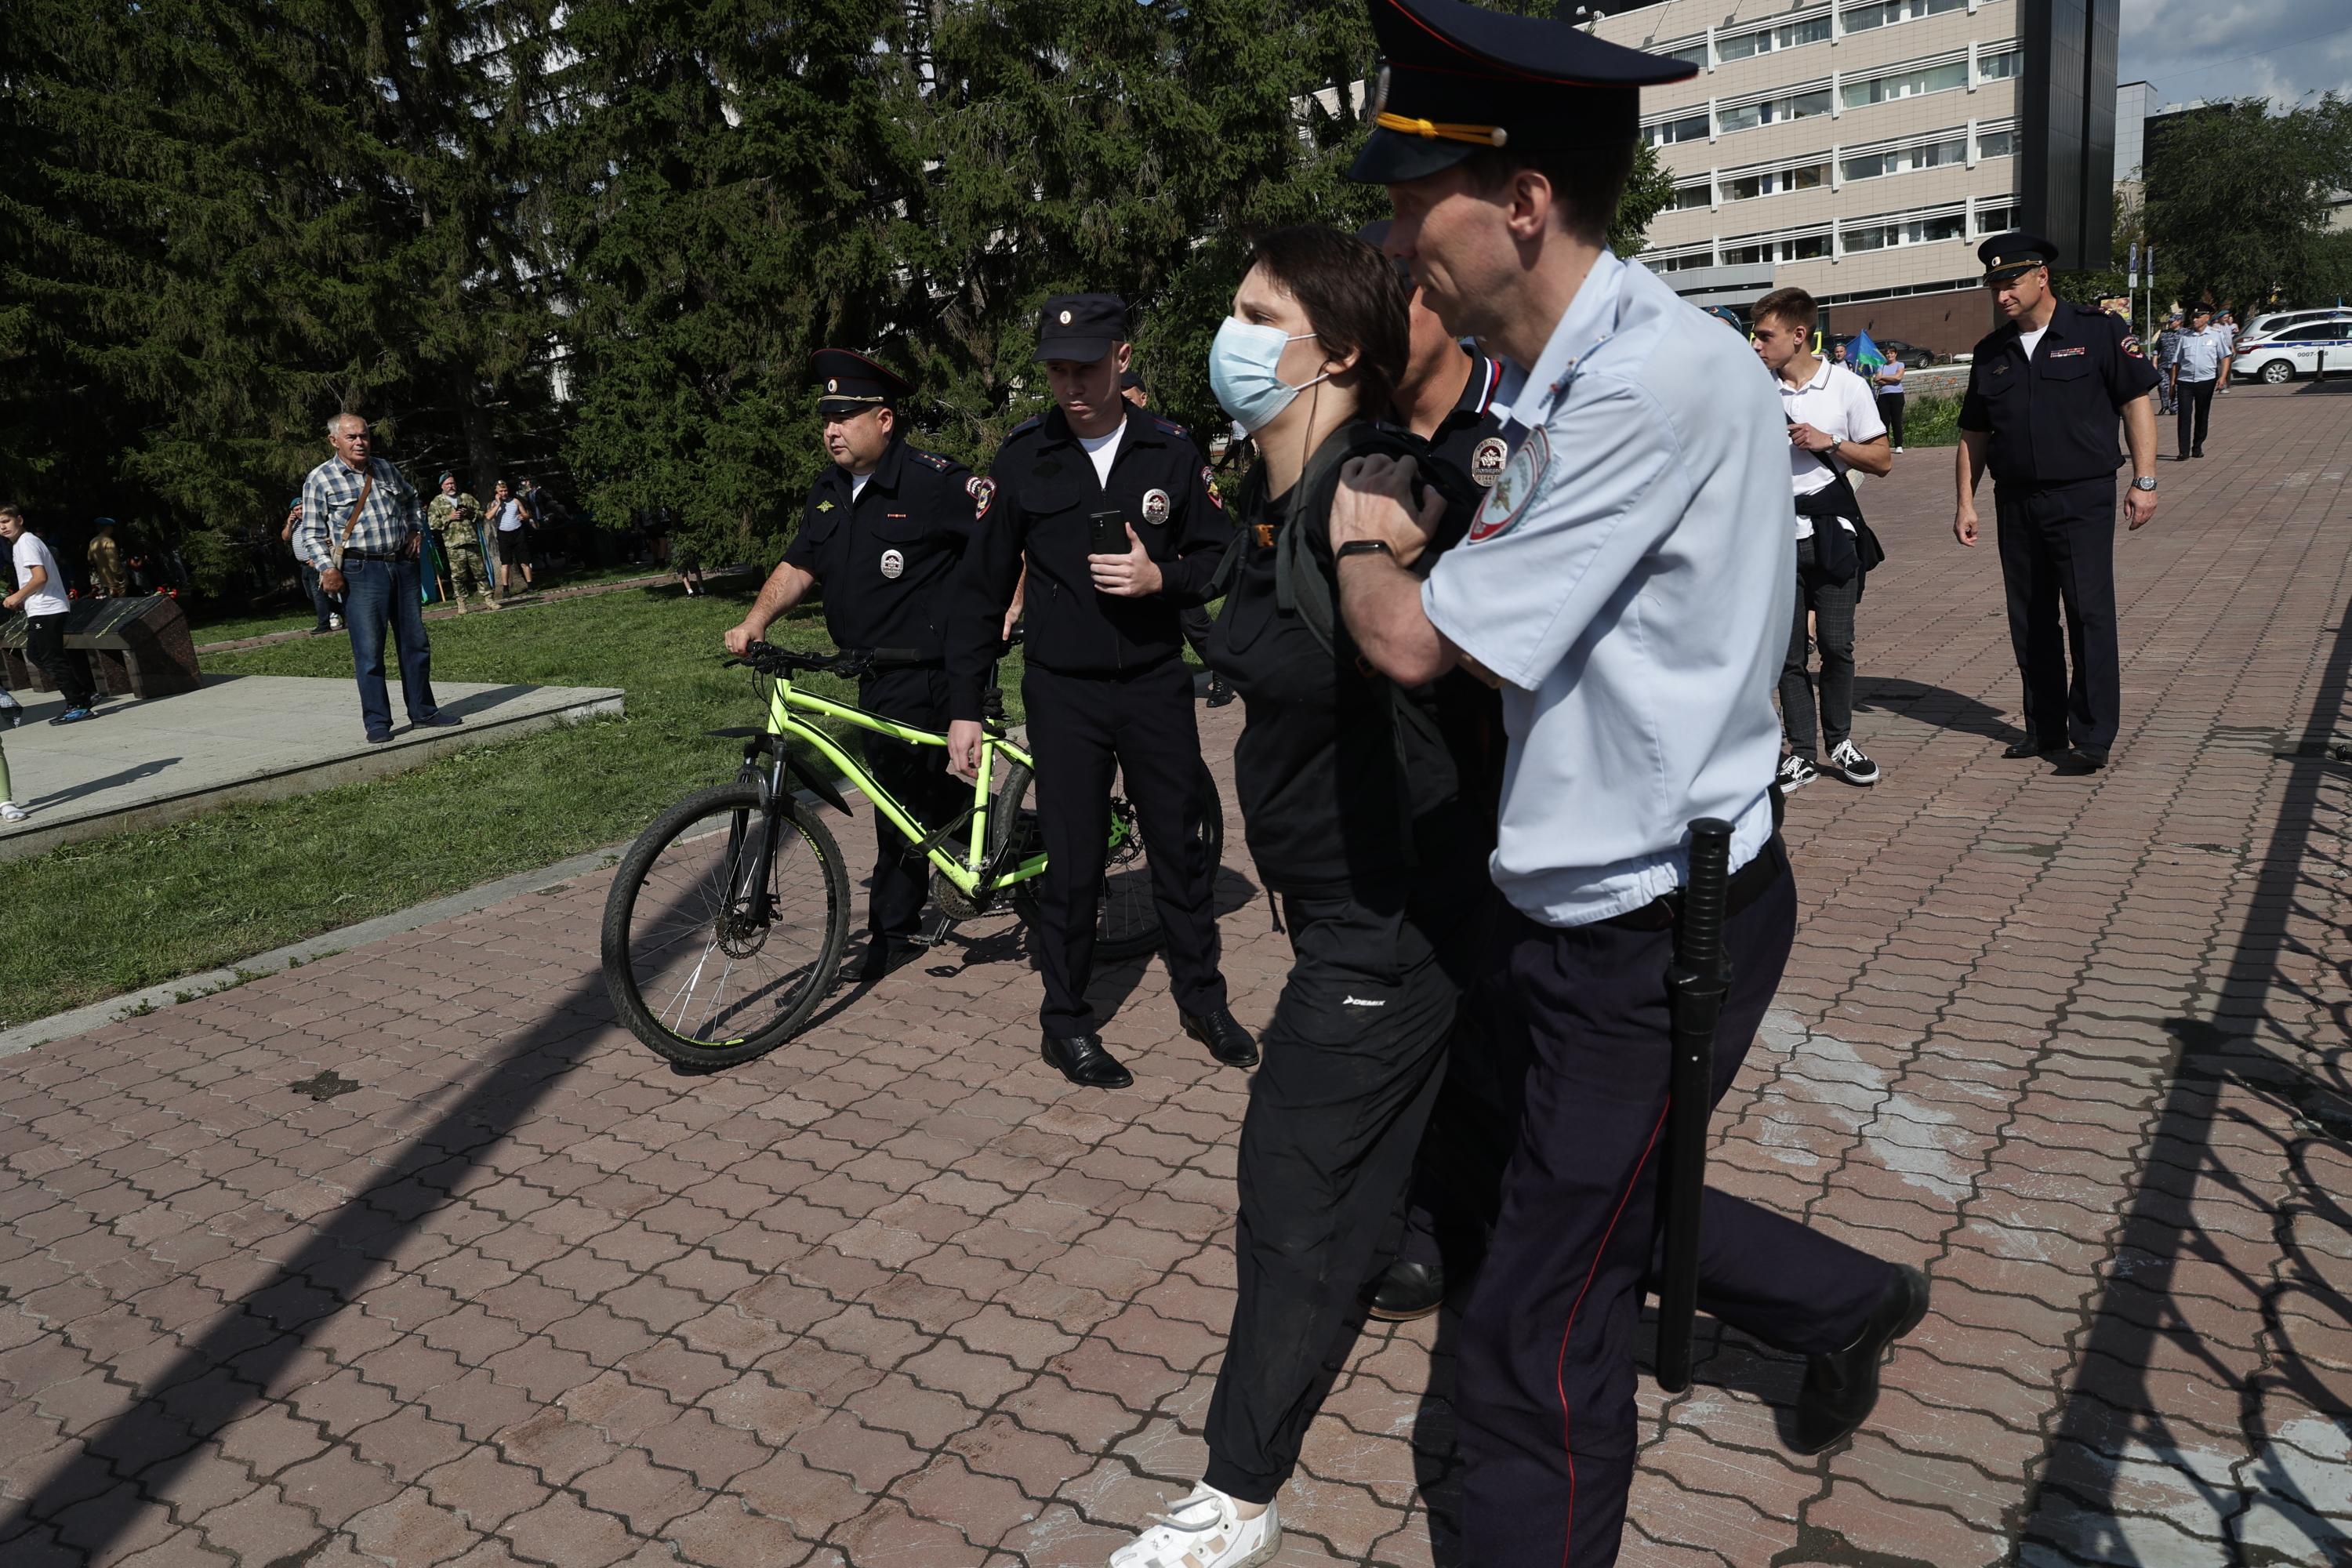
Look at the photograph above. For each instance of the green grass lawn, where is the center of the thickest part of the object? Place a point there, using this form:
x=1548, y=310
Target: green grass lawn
x=235, y=629
x=1931, y=420
x=133, y=910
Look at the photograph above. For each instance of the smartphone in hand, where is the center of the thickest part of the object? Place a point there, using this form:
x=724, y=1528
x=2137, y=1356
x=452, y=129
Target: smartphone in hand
x=1106, y=534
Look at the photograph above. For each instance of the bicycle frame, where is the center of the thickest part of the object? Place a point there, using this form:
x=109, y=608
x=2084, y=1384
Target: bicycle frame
x=790, y=710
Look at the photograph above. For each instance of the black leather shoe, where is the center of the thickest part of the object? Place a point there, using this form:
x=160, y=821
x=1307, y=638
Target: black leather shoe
x=438, y=721
x=1224, y=1034
x=1085, y=1063
x=883, y=955
x=1842, y=1387
x=1220, y=694
x=1409, y=1290
x=2083, y=760
x=383, y=739
x=2017, y=751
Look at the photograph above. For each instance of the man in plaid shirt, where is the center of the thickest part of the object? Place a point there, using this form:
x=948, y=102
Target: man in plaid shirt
x=379, y=576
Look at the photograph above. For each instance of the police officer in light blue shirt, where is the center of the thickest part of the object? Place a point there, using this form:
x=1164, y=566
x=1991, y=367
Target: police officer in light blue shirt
x=1627, y=581
x=2200, y=367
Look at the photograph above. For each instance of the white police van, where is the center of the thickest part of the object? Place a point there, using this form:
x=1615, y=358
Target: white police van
x=2297, y=348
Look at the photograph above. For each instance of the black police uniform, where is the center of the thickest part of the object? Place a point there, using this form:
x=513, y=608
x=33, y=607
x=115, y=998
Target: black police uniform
x=887, y=554
x=1370, y=816
x=1469, y=439
x=1107, y=686
x=2054, y=457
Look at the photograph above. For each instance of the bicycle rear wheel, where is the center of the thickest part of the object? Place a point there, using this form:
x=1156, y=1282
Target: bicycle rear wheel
x=694, y=968
x=1126, y=922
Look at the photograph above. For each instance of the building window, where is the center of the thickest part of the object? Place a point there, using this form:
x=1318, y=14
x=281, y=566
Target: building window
x=1886, y=13
x=1758, y=250
x=1693, y=195
x=1773, y=111
x=1935, y=155
x=1765, y=40
x=1684, y=261
x=1775, y=182
x=1907, y=84
x=1996, y=144
x=1996, y=220
x=1683, y=128
x=1692, y=53
x=1887, y=234
x=1999, y=66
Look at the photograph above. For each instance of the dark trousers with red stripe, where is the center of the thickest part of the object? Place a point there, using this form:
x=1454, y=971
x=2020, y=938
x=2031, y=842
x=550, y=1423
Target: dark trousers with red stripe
x=1546, y=1391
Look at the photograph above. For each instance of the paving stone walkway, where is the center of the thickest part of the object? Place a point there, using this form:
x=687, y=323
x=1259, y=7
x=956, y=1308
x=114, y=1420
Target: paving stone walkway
x=410, y=1256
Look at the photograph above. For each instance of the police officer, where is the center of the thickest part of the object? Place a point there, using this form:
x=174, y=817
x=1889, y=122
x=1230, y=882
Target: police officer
x=2043, y=394
x=2198, y=368
x=1120, y=525
x=884, y=531
x=1616, y=584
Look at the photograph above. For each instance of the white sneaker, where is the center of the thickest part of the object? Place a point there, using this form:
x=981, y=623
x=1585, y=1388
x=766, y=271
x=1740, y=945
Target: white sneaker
x=11, y=812
x=1847, y=762
x=334, y=623
x=1898, y=448
x=1203, y=1532
x=1796, y=772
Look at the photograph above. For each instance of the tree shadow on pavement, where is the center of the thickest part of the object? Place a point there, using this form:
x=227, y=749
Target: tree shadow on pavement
x=224, y=1374
x=2257, y=1118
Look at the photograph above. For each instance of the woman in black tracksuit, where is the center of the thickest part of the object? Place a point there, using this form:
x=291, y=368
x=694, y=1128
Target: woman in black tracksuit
x=1369, y=815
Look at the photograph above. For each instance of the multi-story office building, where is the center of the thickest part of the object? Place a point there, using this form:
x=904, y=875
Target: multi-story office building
x=1858, y=149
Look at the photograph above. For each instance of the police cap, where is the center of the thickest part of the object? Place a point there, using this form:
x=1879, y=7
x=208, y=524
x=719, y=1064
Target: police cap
x=853, y=383
x=1456, y=78
x=2014, y=253
x=1080, y=327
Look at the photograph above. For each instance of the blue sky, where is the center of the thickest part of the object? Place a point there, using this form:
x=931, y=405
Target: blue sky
x=2285, y=51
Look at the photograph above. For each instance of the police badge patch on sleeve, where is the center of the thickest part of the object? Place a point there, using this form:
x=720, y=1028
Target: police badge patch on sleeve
x=981, y=491
x=1155, y=507
x=1209, y=483
x=1507, y=498
x=1487, y=459
x=2131, y=346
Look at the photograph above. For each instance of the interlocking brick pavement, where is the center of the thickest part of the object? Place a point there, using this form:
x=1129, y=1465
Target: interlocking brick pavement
x=895, y=1295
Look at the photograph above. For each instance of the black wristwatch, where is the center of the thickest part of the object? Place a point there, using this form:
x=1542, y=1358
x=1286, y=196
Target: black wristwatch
x=1363, y=547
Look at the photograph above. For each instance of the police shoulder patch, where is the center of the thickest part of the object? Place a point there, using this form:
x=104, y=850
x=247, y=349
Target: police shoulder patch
x=1209, y=483
x=1508, y=501
x=2132, y=346
x=983, y=491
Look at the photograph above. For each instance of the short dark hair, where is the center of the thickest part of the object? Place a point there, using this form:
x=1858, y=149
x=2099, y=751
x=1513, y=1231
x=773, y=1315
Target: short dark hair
x=1352, y=296
x=1586, y=181
x=11, y=509
x=1790, y=306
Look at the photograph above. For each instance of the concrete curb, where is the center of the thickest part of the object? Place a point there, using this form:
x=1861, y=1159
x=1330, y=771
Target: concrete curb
x=187, y=988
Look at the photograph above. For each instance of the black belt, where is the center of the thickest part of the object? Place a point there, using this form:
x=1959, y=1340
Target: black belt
x=1750, y=883
x=372, y=555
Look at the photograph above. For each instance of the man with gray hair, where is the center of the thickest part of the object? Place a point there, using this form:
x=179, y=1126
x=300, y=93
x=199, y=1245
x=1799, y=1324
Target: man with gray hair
x=362, y=524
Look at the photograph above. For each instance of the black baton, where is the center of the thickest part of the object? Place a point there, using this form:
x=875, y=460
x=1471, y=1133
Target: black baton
x=1695, y=987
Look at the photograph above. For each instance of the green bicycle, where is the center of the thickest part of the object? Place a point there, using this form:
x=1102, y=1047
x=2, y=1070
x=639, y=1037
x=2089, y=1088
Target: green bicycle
x=727, y=919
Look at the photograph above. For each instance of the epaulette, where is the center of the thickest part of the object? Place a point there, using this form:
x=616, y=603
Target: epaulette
x=1168, y=426
x=1025, y=426
x=933, y=458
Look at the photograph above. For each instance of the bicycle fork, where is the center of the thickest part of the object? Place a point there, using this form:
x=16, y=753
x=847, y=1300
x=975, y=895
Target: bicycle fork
x=749, y=899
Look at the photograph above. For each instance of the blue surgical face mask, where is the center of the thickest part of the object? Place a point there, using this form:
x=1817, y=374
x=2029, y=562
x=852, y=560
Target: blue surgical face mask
x=1244, y=372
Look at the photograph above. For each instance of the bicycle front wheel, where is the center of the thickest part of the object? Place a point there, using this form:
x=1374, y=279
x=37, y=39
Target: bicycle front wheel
x=707, y=961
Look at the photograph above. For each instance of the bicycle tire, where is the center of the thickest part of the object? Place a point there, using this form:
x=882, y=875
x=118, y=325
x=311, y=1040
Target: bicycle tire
x=738, y=803
x=1141, y=933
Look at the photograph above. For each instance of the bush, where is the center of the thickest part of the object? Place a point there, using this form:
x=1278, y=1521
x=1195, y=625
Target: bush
x=1932, y=419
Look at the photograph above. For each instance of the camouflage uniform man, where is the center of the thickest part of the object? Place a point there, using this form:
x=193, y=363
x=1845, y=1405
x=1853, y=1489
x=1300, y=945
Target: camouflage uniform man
x=452, y=515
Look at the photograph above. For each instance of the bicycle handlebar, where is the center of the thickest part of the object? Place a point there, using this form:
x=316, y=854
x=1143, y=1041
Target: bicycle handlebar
x=770, y=660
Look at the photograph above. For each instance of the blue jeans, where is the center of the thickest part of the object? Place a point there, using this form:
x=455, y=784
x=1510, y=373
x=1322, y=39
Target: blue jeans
x=377, y=594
